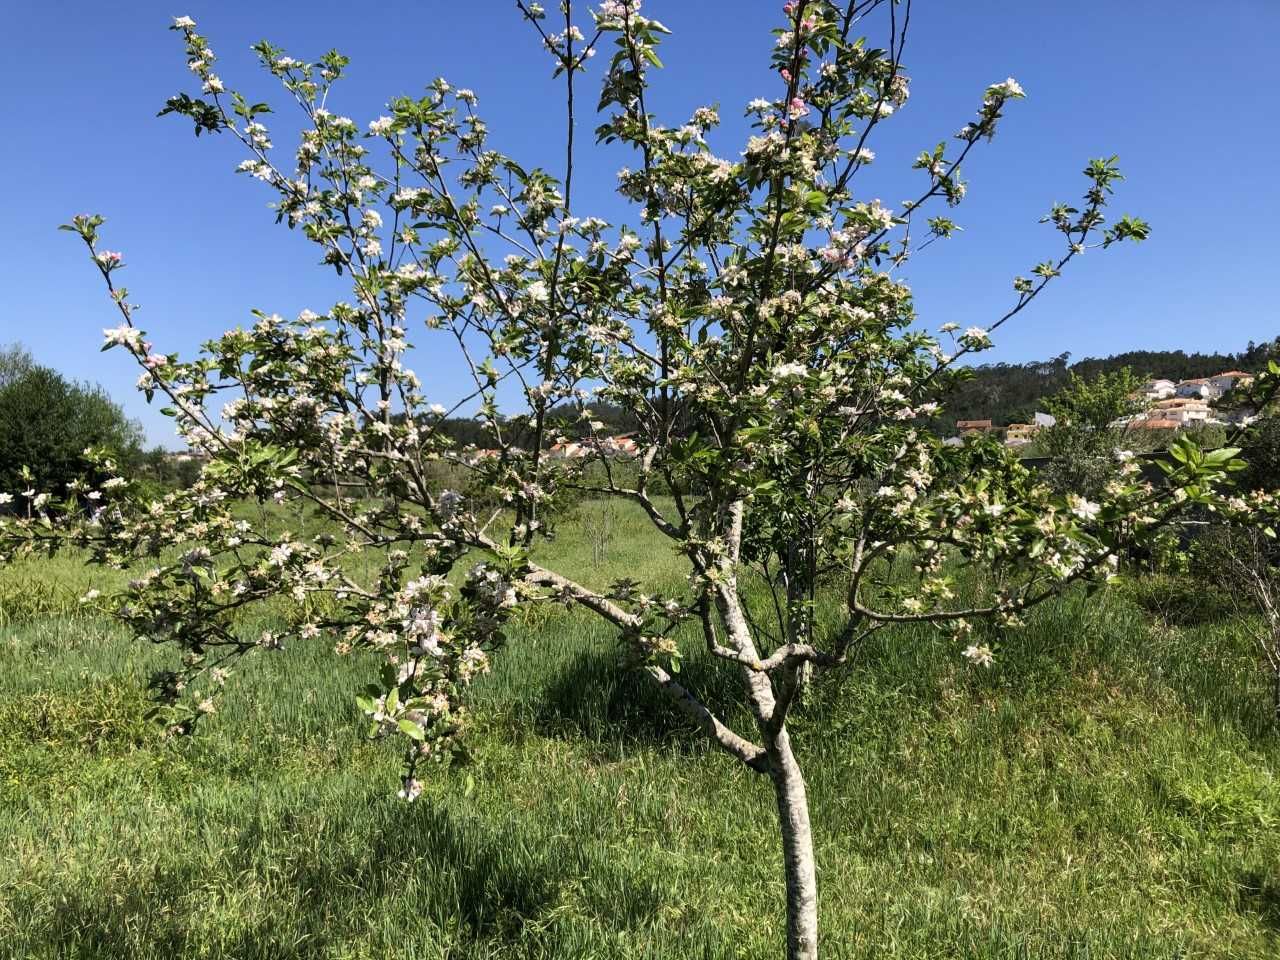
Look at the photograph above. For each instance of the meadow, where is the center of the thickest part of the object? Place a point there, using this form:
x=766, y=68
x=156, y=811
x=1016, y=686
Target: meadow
x=1108, y=790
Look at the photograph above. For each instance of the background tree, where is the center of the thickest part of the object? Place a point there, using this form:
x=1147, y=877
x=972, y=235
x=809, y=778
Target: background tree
x=47, y=421
x=168, y=468
x=1083, y=443
x=15, y=362
x=1262, y=448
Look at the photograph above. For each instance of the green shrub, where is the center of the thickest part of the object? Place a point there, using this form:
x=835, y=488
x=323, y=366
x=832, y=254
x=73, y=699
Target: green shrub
x=1233, y=798
x=1180, y=601
x=24, y=599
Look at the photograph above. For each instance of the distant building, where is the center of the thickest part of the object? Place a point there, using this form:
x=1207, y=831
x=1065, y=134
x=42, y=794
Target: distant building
x=187, y=456
x=1182, y=410
x=1203, y=388
x=1044, y=420
x=623, y=447
x=1229, y=380
x=1159, y=389
x=1155, y=424
x=974, y=426
x=568, y=450
x=1018, y=434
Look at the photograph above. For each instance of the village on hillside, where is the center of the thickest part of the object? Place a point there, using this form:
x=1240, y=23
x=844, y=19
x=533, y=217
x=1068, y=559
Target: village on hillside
x=1169, y=406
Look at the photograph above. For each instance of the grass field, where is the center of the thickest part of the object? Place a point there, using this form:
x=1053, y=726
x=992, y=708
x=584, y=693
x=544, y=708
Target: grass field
x=1108, y=790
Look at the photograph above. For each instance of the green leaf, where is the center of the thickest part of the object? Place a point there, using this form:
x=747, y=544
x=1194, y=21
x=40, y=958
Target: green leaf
x=412, y=730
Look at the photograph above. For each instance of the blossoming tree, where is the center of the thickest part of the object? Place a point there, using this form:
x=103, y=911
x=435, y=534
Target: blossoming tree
x=751, y=322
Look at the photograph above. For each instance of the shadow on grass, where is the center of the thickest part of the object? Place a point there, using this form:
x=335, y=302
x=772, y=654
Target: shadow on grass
x=1260, y=896
x=420, y=879
x=1216, y=673
x=598, y=698
x=891, y=682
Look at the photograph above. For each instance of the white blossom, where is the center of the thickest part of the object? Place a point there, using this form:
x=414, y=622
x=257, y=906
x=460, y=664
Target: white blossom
x=1082, y=508
x=1006, y=88
x=979, y=655
x=789, y=371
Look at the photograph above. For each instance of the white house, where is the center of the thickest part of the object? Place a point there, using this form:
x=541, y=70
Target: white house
x=1020, y=434
x=1202, y=388
x=1159, y=389
x=1183, y=410
x=1228, y=381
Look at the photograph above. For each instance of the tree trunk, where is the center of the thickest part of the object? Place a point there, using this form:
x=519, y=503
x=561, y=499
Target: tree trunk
x=797, y=849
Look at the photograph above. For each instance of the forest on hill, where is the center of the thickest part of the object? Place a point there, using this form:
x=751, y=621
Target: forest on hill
x=1011, y=392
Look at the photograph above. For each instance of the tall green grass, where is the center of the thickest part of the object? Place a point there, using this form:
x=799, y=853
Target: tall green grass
x=1107, y=790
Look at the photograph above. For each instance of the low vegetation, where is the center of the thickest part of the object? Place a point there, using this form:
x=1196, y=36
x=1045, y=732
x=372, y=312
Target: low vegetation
x=1108, y=789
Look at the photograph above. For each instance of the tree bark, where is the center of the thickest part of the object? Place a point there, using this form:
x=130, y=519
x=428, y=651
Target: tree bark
x=784, y=771
x=797, y=848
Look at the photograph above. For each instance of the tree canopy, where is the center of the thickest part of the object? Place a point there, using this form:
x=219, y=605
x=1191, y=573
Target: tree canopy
x=47, y=421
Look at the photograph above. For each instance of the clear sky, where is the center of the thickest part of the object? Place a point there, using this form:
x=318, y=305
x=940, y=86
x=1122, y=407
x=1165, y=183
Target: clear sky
x=1185, y=93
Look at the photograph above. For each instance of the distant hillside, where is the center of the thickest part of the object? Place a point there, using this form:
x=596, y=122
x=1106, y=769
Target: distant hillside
x=1004, y=392
x=1010, y=392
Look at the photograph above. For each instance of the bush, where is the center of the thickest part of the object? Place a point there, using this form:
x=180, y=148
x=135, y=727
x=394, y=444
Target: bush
x=1082, y=445
x=1262, y=453
x=24, y=599
x=1181, y=601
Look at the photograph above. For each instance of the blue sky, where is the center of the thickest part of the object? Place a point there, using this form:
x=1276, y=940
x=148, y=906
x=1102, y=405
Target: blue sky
x=1183, y=92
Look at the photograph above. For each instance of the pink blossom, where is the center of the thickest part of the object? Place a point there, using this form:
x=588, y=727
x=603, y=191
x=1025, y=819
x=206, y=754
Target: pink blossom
x=786, y=74
x=797, y=108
